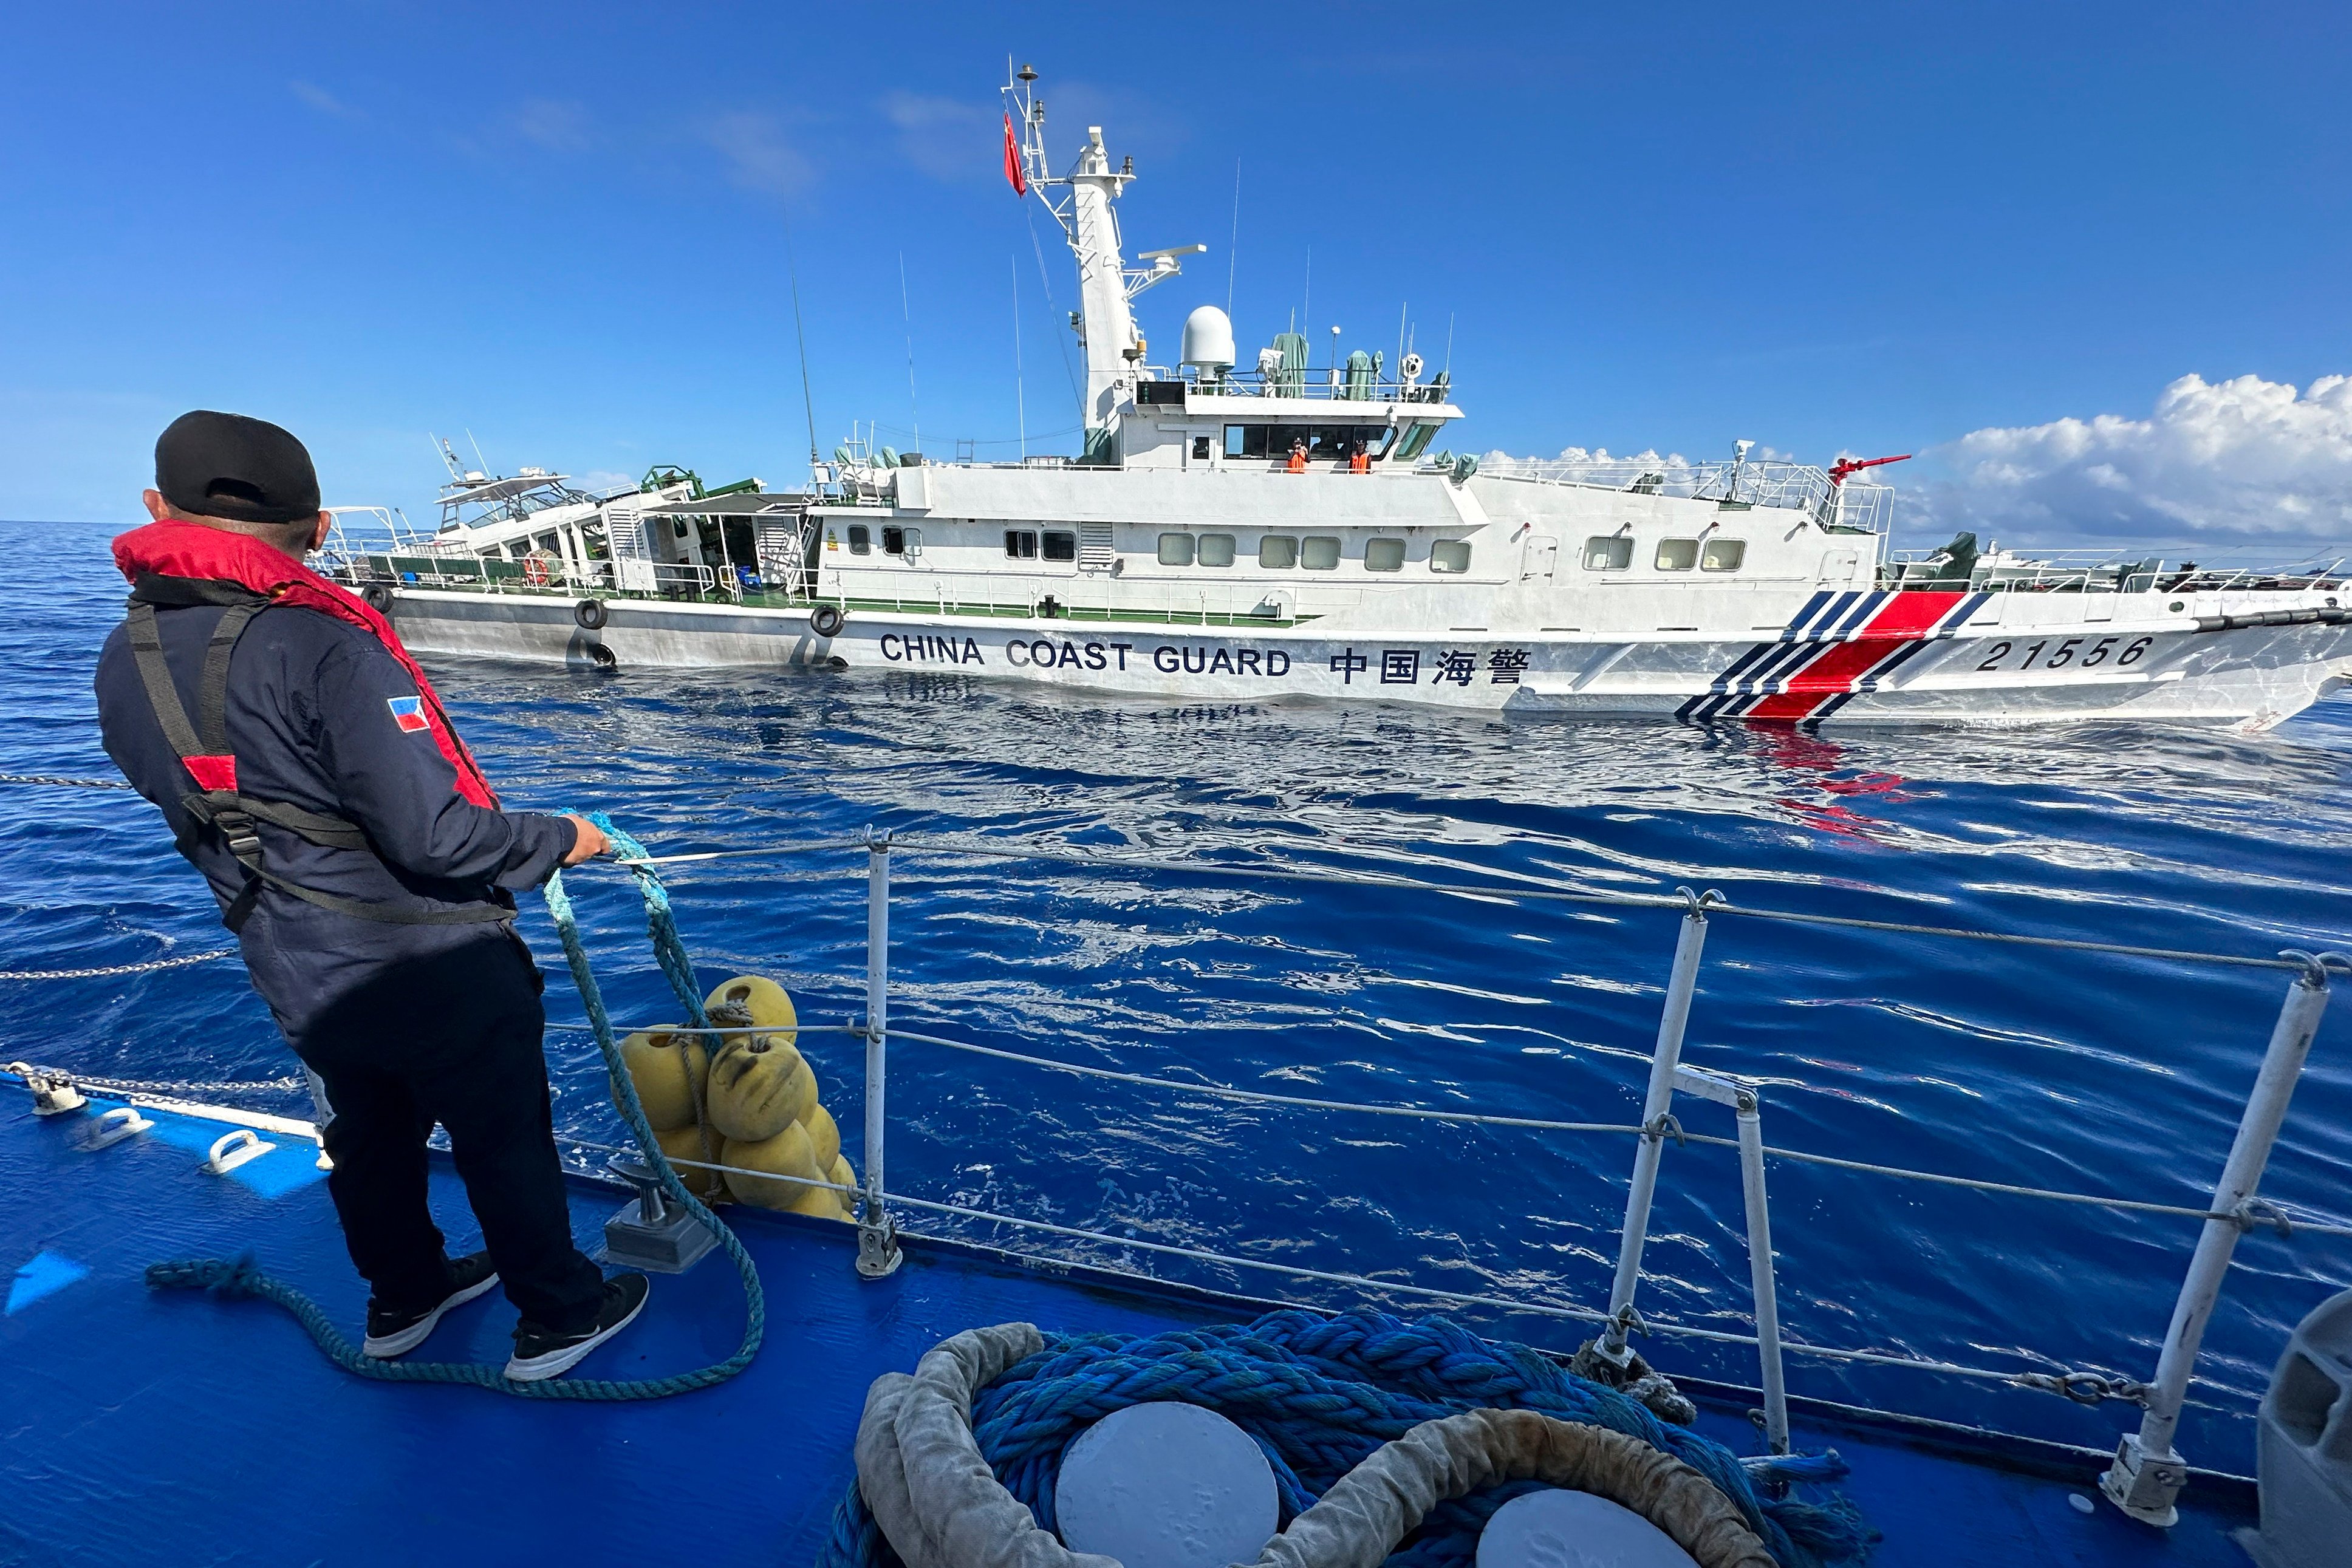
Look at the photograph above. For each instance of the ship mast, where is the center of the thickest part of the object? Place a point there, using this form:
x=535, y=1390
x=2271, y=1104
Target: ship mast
x=1081, y=200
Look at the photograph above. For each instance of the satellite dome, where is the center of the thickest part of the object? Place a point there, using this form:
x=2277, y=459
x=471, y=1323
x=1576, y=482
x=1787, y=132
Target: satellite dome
x=1208, y=338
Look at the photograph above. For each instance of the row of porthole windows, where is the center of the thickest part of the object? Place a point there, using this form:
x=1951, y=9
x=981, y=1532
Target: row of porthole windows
x=1614, y=552
x=1314, y=552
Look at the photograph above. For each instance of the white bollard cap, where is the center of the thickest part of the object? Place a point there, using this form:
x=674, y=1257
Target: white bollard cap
x=1555, y=1529
x=1166, y=1486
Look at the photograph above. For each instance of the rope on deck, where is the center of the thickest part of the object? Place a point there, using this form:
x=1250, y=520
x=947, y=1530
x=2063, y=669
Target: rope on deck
x=234, y=1279
x=1318, y=1395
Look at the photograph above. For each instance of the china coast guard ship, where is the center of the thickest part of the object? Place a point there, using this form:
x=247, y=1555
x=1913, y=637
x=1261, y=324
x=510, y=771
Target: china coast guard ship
x=1279, y=529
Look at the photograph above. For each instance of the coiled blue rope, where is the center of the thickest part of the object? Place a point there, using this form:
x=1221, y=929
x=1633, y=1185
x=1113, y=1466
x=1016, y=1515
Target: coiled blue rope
x=1318, y=1395
x=239, y=1278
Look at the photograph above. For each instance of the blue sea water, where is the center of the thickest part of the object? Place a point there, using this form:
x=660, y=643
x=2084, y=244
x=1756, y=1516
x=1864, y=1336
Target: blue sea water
x=2073, y=1071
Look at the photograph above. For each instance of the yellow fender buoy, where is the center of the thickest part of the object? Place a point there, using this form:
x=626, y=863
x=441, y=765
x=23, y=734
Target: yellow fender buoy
x=824, y=1135
x=668, y=1086
x=789, y=1153
x=686, y=1144
x=763, y=1003
x=759, y=1086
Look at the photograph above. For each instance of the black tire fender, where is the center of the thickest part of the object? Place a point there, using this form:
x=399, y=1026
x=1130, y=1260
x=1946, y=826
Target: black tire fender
x=590, y=614
x=826, y=620
x=377, y=597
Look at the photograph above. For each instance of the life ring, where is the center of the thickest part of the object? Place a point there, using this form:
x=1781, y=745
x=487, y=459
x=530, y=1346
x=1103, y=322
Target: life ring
x=826, y=619
x=590, y=613
x=377, y=597
x=534, y=571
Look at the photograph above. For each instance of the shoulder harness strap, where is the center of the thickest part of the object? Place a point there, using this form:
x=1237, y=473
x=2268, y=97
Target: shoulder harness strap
x=203, y=750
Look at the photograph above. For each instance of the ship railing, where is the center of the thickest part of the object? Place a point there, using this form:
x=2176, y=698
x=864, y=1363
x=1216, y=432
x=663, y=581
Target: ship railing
x=2147, y=1472
x=361, y=530
x=1322, y=385
x=2132, y=569
x=1798, y=486
x=459, y=570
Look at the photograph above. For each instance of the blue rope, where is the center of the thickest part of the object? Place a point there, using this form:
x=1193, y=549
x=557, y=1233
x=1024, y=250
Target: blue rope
x=1318, y=1395
x=234, y=1280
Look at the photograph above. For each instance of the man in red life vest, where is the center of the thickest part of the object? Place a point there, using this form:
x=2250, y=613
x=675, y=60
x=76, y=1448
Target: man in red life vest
x=305, y=766
x=1298, y=464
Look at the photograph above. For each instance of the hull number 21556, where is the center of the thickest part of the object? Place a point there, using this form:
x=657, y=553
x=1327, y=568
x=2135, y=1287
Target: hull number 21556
x=2057, y=653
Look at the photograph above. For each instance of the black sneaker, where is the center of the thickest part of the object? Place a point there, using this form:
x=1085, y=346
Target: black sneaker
x=539, y=1353
x=391, y=1332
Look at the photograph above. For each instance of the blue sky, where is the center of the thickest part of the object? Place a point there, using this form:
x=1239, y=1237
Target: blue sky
x=1833, y=228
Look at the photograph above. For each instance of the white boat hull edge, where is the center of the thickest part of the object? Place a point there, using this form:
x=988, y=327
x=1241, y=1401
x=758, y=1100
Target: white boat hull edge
x=1846, y=658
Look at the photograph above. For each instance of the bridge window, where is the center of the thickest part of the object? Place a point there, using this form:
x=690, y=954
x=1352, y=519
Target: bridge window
x=1723, y=555
x=1325, y=442
x=1450, y=556
x=1318, y=552
x=1277, y=552
x=1021, y=544
x=1608, y=552
x=1060, y=545
x=1677, y=555
x=1384, y=555
x=1216, y=549
x=861, y=539
x=1175, y=550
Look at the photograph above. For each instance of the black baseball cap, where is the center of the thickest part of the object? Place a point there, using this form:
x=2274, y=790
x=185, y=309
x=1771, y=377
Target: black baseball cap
x=230, y=466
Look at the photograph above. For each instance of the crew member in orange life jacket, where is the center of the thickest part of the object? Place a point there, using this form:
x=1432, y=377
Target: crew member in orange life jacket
x=1359, y=461
x=1297, y=455
x=306, y=767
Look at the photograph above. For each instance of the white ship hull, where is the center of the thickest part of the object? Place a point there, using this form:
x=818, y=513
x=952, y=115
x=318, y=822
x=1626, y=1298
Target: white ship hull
x=1845, y=657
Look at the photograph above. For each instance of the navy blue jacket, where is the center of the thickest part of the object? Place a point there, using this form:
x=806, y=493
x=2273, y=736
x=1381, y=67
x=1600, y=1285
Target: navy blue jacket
x=312, y=722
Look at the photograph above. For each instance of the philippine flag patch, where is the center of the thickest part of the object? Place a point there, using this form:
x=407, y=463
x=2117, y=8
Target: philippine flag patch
x=408, y=713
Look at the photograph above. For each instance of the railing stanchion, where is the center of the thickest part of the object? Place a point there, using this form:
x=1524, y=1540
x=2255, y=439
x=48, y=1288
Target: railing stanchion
x=2148, y=1474
x=1657, y=1108
x=878, y=1235
x=1760, y=1269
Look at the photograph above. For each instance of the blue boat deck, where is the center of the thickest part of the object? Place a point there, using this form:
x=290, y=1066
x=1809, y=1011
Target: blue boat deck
x=171, y=1428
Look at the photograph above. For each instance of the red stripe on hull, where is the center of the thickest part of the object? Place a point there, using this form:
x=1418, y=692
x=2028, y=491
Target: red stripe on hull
x=1906, y=618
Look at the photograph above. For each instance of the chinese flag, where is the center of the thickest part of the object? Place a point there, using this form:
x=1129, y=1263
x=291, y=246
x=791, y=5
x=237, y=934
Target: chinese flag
x=1013, y=173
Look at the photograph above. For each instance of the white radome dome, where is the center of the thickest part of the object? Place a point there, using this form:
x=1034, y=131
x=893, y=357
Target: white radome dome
x=1208, y=338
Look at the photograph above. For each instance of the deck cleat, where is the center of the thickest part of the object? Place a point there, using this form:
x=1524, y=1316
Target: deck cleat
x=650, y=1232
x=53, y=1092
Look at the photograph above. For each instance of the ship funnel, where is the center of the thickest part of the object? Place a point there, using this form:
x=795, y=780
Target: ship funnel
x=1208, y=340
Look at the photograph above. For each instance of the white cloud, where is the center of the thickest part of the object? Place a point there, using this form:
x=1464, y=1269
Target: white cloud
x=949, y=139
x=2242, y=457
x=557, y=125
x=602, y=479
x=760, y=159
x=322, y=100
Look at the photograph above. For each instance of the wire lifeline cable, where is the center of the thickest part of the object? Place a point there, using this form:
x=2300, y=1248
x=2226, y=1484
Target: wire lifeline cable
x=641, y=861
x=1505, y=894
x=2031, y=1379
x=232, y=1279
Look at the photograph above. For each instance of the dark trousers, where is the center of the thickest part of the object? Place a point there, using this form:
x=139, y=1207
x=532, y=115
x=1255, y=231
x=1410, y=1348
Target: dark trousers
x=450, y=1036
